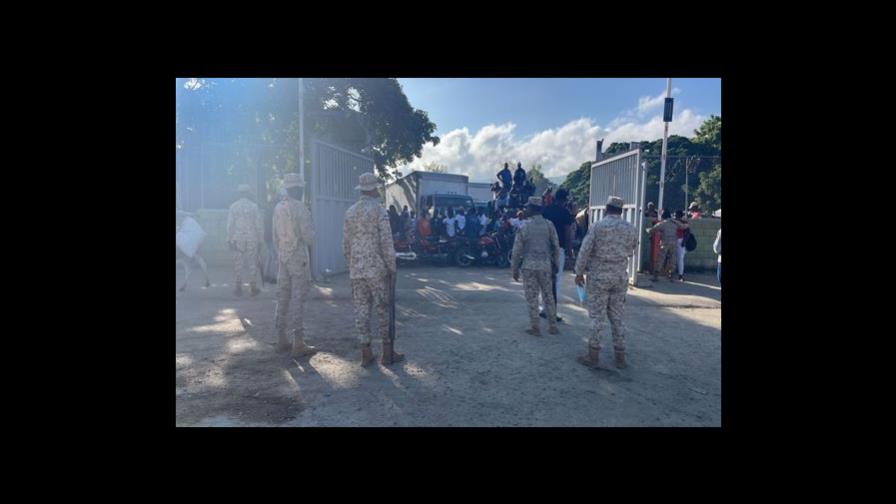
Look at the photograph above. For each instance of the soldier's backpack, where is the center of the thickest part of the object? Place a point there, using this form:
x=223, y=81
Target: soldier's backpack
x=690, y=242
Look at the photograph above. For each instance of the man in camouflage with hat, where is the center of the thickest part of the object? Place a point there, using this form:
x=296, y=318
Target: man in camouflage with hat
x=668, y=231
x=536, y=250
x=293, y=236
x=245, y=233
x=605, y=254
x=370, y=255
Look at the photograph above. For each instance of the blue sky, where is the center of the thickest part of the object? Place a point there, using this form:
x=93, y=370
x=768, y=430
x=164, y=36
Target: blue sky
x=553, y=122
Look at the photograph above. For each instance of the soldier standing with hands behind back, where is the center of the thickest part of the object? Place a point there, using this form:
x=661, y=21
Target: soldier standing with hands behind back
x=370, y=255
x=245, y=232
x=605, y=253
x=293, y=235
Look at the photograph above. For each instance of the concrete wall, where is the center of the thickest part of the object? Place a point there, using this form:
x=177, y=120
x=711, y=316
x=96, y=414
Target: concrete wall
x=703, y=257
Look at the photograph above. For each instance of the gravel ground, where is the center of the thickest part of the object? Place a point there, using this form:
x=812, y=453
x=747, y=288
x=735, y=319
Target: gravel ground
x=468, y=361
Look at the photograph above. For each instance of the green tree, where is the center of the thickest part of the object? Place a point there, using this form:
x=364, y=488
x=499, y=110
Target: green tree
x=703, y=178
x=709, y=193
x=353, y=113
x=578, y=184
x=710, y=133
x=538, y=179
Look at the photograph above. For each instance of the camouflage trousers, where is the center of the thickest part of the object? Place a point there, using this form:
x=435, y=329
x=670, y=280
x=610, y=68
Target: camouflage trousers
x=293, y=287
x=245, y=259
x=539, y=281
x=667, y=258
x=606, y=300
x=367, y=294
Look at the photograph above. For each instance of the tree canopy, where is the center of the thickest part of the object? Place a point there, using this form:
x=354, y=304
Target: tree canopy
x=703, y=179
x=347, y=112
x=538, y=179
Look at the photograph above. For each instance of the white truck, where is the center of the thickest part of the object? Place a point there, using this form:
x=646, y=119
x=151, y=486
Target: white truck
x=425, y=190
x=481, y=192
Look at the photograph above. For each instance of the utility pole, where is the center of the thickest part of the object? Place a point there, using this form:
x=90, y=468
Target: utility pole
x=687, y=169
x=667, y=118
x=302, y=127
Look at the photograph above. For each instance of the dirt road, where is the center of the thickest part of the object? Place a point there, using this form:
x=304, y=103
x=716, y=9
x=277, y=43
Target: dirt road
x=469, y=363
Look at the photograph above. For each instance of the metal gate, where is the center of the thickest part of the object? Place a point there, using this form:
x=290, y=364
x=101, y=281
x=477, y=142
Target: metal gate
x=623, y=176
x=334, y=176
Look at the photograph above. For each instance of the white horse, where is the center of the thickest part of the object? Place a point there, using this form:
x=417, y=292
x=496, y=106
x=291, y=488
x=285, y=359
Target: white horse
x=188, y=237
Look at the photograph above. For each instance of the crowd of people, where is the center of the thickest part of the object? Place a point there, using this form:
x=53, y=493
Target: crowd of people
x=546, y=232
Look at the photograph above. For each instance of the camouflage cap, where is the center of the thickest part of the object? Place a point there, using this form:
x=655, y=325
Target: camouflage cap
x=293, y=179
x=615, y=201
x=368, y=182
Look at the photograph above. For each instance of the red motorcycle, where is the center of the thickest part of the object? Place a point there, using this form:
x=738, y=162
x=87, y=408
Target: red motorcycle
x=434, y=249
x=490, y=249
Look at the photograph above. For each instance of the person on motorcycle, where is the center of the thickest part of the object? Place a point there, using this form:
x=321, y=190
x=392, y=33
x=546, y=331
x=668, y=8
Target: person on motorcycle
x=424, y=229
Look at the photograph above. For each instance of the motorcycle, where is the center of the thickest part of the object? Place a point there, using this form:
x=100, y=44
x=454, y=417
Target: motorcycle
x=490, y=249
x=435, y=249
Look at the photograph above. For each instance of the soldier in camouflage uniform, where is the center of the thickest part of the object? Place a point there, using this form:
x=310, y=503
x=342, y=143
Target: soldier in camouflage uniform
x=245, y=233
x=537, y=250
x=667, y=228
x=293, y=236
x=605, y=254
x=370, y=255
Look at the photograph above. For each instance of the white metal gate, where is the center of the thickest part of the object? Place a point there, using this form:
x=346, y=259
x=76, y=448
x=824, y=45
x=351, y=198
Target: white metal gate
x=622, y=176
x=334, y=176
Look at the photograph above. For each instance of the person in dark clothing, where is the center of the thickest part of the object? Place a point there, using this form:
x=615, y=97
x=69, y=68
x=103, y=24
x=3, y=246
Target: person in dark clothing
x=404, y=222
x=519, y=177
x=473, y=225
x=394, y=223
x=505, y=177
x=564, y=222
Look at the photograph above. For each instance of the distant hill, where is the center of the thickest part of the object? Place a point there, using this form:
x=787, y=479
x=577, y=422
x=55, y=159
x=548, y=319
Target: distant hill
x=557, y=180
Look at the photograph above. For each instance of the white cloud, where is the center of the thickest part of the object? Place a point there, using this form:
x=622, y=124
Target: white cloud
x=648, y=103
x=559, y=150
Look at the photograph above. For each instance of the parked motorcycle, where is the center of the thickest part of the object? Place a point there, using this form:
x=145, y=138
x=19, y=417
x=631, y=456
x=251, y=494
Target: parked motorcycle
x=434, y=249
x=491, y=249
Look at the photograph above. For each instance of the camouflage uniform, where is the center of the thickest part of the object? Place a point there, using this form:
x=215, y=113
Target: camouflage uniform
x=370, y=255
x=537, y=249
x=605, y=253
x=245, y=230
x=668, y=245
x=293, y=235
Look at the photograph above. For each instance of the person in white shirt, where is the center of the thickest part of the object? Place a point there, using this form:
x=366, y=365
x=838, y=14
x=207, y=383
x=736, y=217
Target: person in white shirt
x=449, y=223
x=460, y=220
x=483, y=222
x=518, y=221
